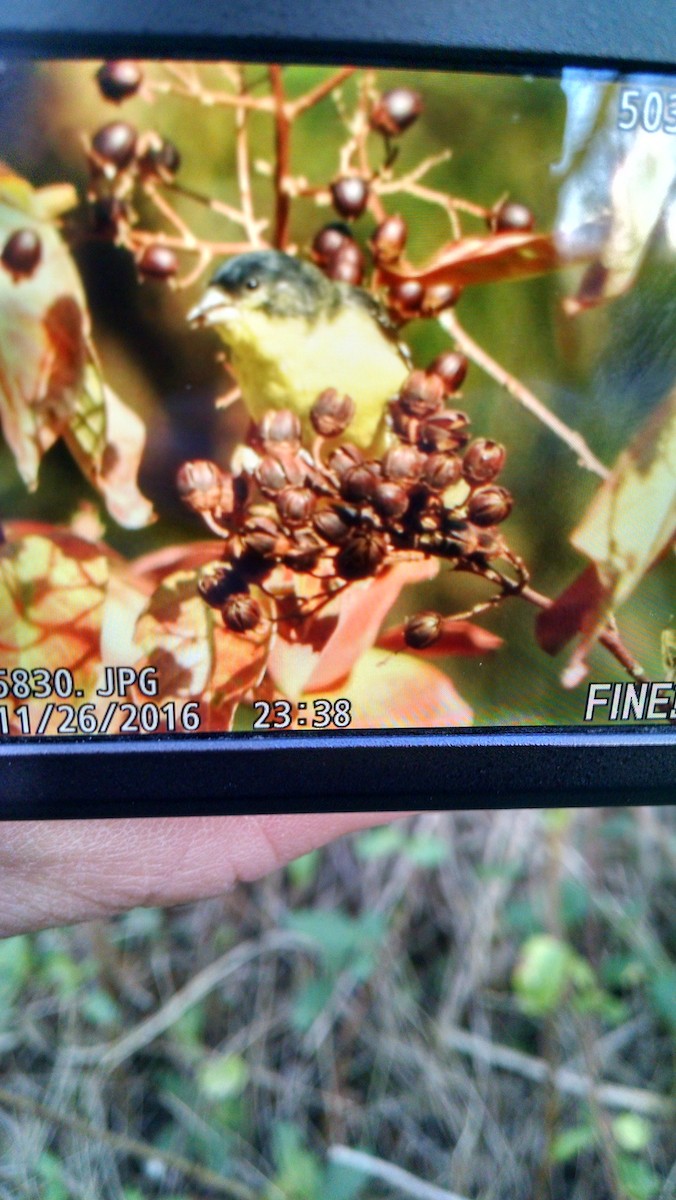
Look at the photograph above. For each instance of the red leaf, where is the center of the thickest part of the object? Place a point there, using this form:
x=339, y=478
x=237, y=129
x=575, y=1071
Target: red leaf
x=574, y=611
x=486, y=260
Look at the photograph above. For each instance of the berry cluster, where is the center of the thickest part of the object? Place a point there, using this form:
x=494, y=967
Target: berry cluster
x=120, y=158
x=340, y=517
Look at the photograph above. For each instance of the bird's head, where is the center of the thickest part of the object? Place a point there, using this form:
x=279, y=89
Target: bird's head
x=266, y=281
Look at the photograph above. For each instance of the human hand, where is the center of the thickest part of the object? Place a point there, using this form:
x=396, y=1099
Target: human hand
x=59, y=872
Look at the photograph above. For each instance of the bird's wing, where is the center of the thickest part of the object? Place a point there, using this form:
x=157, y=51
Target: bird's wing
x=355, y=295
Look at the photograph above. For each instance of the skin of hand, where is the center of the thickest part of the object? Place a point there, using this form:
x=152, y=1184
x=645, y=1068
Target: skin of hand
x=290, y=333
x=61, y=872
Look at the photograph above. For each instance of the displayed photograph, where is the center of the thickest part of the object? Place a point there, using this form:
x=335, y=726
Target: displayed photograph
x=335, y=399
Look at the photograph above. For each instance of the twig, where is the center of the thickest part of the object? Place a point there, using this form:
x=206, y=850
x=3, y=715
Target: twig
x=112, y=1054
x=608, y=1095
x=609, y=637
x=243, y=167
x=121, y=1144
x=318, y=93
x=282, y=158
x=523, y=395
x=395, y=1176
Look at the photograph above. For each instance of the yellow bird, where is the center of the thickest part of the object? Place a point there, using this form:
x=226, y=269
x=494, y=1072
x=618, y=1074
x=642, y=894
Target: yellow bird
x=290, y=332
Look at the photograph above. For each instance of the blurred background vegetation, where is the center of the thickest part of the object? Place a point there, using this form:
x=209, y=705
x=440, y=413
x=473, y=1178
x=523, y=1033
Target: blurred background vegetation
x=601, y=372
x=485, y=1001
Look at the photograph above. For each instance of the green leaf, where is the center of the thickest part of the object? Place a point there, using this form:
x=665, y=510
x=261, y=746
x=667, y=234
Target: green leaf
x=303, y=871
x=299, y=1174
x=542, y=974
x=343, y=1183
x=340, y=939
x=426, y=850
x=15, y=966
x=378, y=843
x=223, y=1077
x=310, y=1001
x=571, y=1142
x=661, y=991
x=631, y=1132
x=638, y=1179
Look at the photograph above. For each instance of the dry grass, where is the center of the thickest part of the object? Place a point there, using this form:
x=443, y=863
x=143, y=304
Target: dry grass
x=237, y=1046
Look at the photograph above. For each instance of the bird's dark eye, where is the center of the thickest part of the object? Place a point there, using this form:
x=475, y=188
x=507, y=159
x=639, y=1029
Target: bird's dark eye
x=252, y=283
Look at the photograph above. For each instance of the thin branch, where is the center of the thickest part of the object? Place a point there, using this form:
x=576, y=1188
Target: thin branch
x=282, y=158
x=204, y=1178
x=244, y=168
x=112, y=1054
x=523, y=395
x=538, y=1070
x=395, y=1177
x=318, y=93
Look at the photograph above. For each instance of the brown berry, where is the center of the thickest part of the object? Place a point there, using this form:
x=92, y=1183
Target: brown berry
x=422, y=395
x=241, y=613
x=119, y=80
x=406, y=426
x=162, y=160
x=441, y=471
x=296, y=505
x=279, y=427
x=396, y=110
x=331, y=413
x=21, y=253
x=304, y=552
x=347, y=264
x=446, y=431
x=489, y=505
x=512, y=217
x=263, y=536
x=330, y=525
x=451, y=367
x=271, y=475
x=115, y=144
x=217, y=582
x=460, y=538
x=483, y=461
x=439, y=296
x=360, y=556
x=390, y=499
x=405, y=298
x=205, y=488
x=157, y=262
x=350, y=195
x=357, y=483
x=344, y=457
x=403, y=463
x=107, y=214
x=389, y=239
x=329, y=240
x=422, y=630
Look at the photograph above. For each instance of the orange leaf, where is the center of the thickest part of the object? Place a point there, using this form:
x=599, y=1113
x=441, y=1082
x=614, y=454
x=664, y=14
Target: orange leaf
x=192, y=651
x=399, y=691
x=317, y=655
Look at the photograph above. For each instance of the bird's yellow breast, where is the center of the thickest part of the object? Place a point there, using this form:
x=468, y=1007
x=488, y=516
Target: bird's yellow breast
x=285, y=362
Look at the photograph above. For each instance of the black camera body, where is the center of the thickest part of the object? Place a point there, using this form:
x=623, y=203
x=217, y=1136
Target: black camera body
x=277, y=766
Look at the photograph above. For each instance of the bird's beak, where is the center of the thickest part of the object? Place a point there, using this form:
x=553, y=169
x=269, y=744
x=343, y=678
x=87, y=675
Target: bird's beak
x=213, y=309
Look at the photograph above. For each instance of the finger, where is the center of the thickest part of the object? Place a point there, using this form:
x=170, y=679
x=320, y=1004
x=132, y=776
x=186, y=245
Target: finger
x=58, y=872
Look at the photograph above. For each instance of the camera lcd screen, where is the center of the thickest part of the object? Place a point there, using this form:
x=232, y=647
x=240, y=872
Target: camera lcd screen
x=335, y=399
